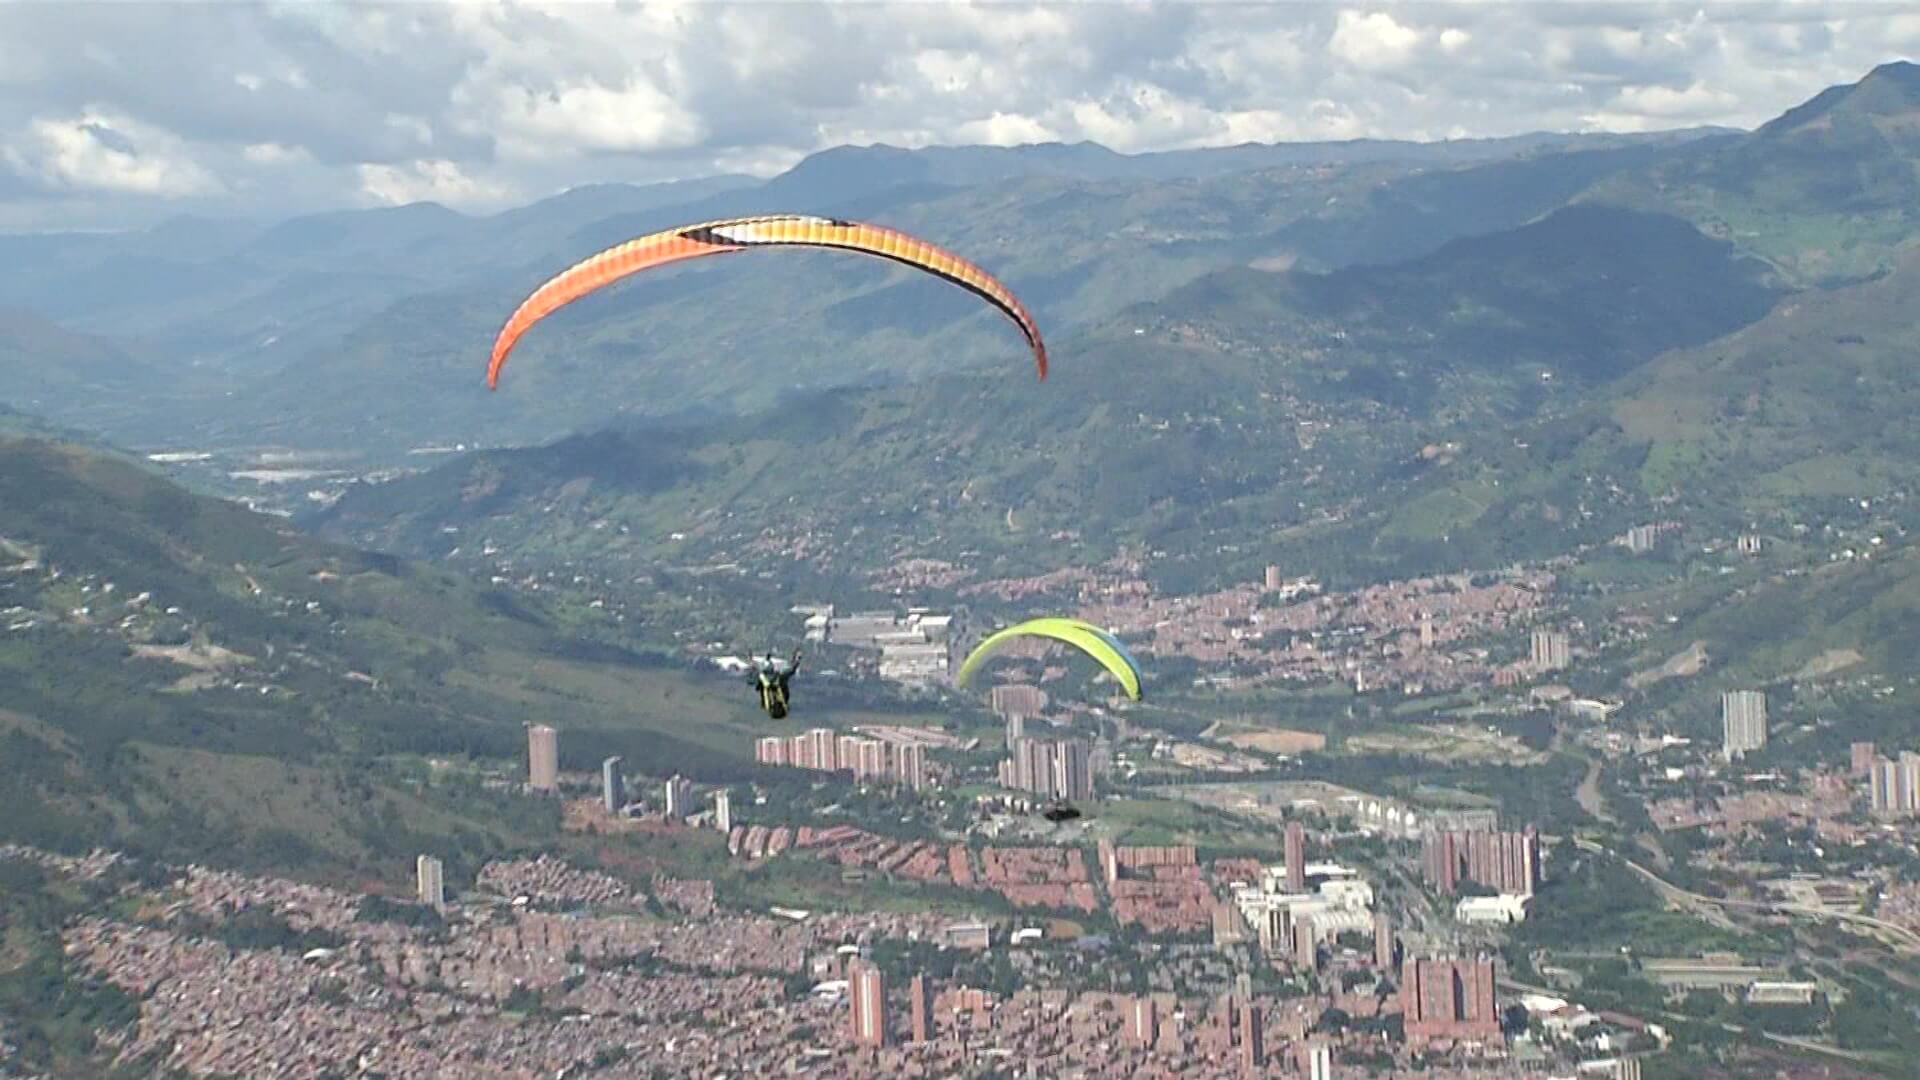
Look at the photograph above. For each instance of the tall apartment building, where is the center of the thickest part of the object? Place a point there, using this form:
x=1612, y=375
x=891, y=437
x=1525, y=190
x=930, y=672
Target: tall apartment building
x=1017, y=700
x=1253, y=1047
x=613, y=790
x=1549, y=651
x=1072, y=770
x=1296, y=852
x=920, y=1007
x=679, y=797
x=1894, y=786
x=1641, y=538
x=1319, y=1062
x=1383, y=941
x=867, y=1004
x=1448, y=999
x=910, y=766
x=1883, y=787
x=1029, y=766
x=1054, y=769
x=1076, y=772
x=866, y=758
x=1506, y=861
x=1143, y=1021
x=820, y=749
x=1273, y=929
x=1227, y=926
x=543, y=758
x=723, y=810
x=772, y=750
x=1743, y=722
x=429, y=883
x=1863, y=757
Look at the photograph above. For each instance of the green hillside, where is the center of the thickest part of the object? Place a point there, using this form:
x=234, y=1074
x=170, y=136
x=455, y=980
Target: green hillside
x=1580, y=297
x=1848, y=617
x=20, y=424
x=1828, y=192
x=1753, y=415
x=1408, y=218
x=395, y=305
x=1241, y=420
x=183, y=678
x=1830, y=639
x=45, y=365
x=737, y=334
x=1772, y=429
x=1512, y=395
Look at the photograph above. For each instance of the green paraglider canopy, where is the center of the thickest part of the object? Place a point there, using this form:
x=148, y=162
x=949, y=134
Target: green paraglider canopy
x=1088, y=638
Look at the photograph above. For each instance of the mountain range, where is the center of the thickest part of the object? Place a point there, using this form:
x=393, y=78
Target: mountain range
x=1164, y=437
x=1826, y=192
x=1511, y=393
x=366, y=331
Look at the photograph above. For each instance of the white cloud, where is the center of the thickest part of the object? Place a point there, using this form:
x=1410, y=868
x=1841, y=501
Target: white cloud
x=1006, y=129
x=756, y=161
x=102, y=151
x=411, y=128
x=1373, y=41
x=429, y=181
x=1693, y=101
x=634, y=118
x=269, y=153
x=327, y=104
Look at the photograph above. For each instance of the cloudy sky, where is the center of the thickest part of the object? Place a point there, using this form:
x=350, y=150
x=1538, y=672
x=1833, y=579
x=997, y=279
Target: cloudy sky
x=114, y=112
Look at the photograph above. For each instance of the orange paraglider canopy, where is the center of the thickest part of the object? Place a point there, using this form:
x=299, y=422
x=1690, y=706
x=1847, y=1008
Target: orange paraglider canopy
x=739, y=234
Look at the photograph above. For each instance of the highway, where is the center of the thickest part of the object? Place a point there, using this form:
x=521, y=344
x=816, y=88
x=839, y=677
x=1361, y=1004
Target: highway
x=1712, y=908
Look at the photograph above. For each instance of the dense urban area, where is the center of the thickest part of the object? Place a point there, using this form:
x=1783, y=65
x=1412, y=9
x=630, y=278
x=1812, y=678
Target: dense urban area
x=1380, y=932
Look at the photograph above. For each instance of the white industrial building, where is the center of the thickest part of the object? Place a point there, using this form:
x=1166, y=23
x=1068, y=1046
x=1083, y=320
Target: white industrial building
x=1503, y=909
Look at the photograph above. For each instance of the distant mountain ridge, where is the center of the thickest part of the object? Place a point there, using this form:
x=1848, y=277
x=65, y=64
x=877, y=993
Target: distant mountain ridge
x=42, y=363
x=1828, y=192
x=850, y=169
x=366, y=332
x=397, y=302
x=1485, y=400
x=1890, y=91
x=1175, y=426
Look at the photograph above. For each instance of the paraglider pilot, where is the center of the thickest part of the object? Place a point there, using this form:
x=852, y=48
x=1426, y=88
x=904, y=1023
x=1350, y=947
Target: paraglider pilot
x=771, y=679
